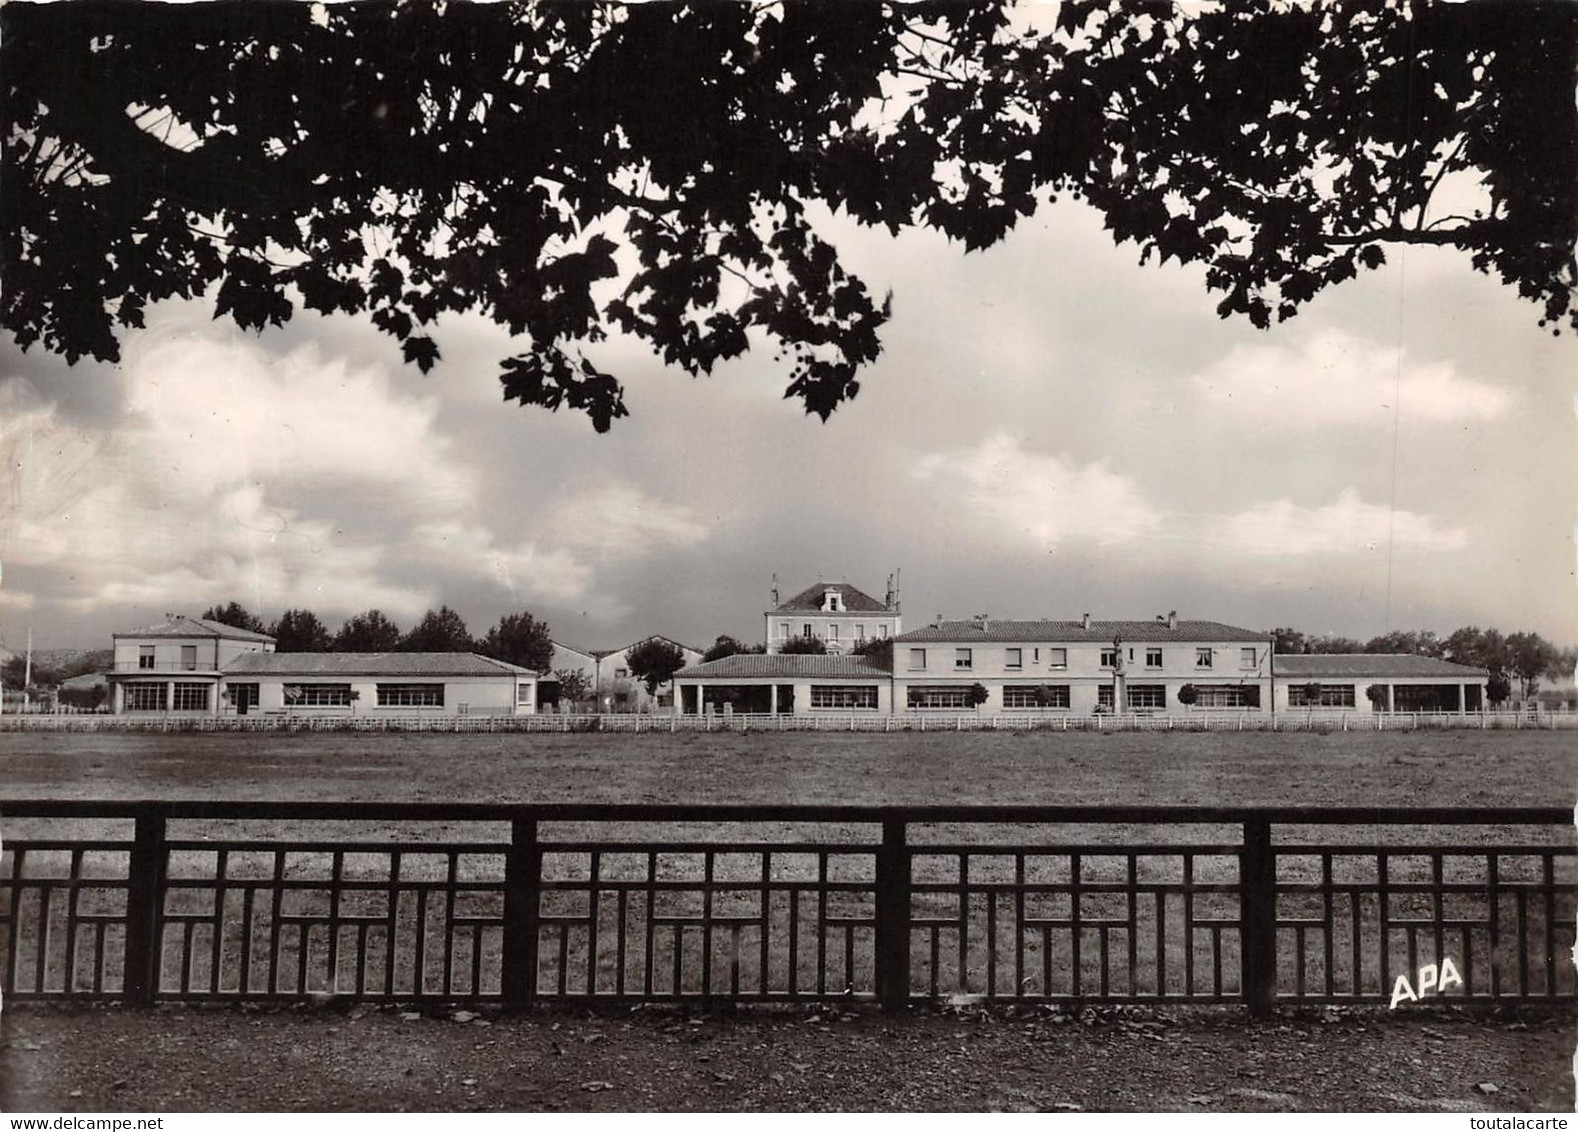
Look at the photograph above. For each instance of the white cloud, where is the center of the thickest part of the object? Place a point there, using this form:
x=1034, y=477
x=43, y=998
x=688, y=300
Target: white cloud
x=1048, y=499
x=1348, y=526
x=620, y=519
x=232, y=473
x=525, y=571
x=1337, y=378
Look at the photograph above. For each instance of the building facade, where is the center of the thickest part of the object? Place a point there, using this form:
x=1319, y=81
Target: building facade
x=1401, y=683
x=786, y=684
x=178, y=664
x=613, y=687
x=191, y=666
x=377, y=684
x=1084, y=667
x=836, y=613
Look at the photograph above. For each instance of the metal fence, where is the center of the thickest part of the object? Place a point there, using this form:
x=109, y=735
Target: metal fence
x=1028, y=720
x=559, y=903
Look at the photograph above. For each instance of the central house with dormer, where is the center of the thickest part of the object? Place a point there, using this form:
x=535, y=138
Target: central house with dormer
x=835, y=613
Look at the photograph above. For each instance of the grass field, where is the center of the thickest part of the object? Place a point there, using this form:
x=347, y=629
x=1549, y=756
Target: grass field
x=1413, y=769
x=1441, y=768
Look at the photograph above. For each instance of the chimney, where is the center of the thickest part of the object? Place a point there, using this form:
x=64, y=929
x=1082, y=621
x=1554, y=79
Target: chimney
x=939, y=619
x=983, y=621
x=775, y=591
x=1085, y=623
x=1172, y=619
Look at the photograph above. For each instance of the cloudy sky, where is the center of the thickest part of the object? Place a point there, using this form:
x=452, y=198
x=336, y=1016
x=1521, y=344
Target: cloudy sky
x=1051, y=430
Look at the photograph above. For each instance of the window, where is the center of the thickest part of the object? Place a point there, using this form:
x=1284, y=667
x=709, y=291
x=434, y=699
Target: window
x=1227, y=695
x=1330, y=695
x=318, y=695
x=1147, y=696
x=830, y=601
x=962, y=658
x=621, y=673
x=860, y=632
x=882, y=630
x=189, y=657
x=1153, y=658
x=917, y=659
x=1109, y=658
x=805, y=630
x=191, y=697
x=523, y=695
x=1014, y=658
x=411, y=695
x=1035, y=696
x=144, y=656
x=1202, y=658
x=927, y=699
x=243, y=695
x=832, y=631
x=1246, y=658
x=144, y=697
x=850, y=697
x=783, y=628
x=1104, y=696
x=1057, y=658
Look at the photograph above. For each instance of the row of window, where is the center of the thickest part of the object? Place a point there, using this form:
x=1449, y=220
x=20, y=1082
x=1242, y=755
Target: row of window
x=1014, y=658
x=145, y=657
x=151, y=697
x=807, y=630
x=194, y=697
x=339, y=695
x=1138, y=696
x=1328, y=695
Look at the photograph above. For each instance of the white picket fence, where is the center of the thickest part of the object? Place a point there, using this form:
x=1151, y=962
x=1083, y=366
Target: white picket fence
x=1296, y=720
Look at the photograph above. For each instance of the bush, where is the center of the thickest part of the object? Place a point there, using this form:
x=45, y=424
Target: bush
x=1188, y=695
x=804, y=646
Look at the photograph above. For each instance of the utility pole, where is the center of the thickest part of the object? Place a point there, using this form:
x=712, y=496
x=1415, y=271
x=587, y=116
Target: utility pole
x=27, y=671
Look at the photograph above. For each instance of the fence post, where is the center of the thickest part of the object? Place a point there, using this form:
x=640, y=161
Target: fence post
x=144, y=895
x=1257, y=918
x=522, y=907
x=893, y=919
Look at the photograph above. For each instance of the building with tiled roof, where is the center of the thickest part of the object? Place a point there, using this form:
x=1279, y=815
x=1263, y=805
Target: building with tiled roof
x=191, y=666
x=1084, y=666
x=786, y=683
x=836, y=613
x=608, y=676
x=371, y=664
x=1368, y=682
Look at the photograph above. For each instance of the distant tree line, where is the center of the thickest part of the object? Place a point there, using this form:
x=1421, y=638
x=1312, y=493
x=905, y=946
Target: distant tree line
x=1526, y=657
x=518, y=638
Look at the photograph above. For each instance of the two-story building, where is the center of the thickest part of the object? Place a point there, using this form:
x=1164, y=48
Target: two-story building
x=837, y=613
x=1083, y=666
x=177, y=664
x=609, y=680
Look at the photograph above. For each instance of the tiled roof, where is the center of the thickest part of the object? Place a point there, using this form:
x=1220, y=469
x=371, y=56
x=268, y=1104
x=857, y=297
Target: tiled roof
x=1074, y=631
x=810, y=600
x=1353, y=664
x=370, y=664
x=178, y=626
x=785, y=666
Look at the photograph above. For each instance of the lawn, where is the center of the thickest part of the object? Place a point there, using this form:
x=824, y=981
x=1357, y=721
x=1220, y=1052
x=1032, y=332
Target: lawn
x=1433, y=768
x=1468, y=769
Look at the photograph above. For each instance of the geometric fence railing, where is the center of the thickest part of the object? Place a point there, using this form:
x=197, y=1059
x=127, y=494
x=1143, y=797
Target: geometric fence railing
x=576, y=903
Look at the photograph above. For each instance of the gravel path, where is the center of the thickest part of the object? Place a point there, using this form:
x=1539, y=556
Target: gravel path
x=176, y=1059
